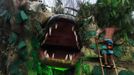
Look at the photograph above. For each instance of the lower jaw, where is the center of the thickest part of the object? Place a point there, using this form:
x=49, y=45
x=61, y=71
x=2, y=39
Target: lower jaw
x=60, y=62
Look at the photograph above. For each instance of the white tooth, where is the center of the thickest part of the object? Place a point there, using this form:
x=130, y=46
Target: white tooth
x=56, y=26
x=43, y=42
x=66, y=57
x=75, y=33
x=44, y=39
x=50, y=31
x=76, y=38
x=53, y=55
x=47, y=55
x=73, y=28
x=45, y=52
x=46, y=35
x=70, y=57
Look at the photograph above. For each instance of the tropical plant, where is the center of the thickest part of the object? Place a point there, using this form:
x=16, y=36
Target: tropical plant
x=109, y=13
x=87, y=26
x=116, y=13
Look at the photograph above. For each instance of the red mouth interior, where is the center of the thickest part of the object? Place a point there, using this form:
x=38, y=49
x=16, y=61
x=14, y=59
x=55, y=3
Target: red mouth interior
x=61, y=41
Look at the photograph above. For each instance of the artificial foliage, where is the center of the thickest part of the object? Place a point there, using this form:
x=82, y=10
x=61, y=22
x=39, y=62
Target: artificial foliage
x=117, y=12
x=126, y=72
x=107, y=13
x=22, y=53
x=97, y=70
x=24, y=44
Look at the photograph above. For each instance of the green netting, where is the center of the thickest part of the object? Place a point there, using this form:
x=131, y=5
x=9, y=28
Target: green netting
x=97, y=71
x=118, y=51
x=131, y=42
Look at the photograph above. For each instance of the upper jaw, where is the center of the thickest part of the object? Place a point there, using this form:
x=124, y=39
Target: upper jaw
x=55, y=28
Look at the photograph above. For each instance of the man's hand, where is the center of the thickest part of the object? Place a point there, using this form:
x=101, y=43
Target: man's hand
x=98, y=32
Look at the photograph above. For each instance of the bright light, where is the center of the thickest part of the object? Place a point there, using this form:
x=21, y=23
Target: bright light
x=92, y=1
x=51, y=3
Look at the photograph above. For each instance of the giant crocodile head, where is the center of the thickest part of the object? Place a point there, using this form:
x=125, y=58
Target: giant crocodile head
x=60, y=46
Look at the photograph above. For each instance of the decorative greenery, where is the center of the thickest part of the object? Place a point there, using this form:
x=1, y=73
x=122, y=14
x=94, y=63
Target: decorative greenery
x=126, y=72
x=83, y=68
x=114, y=12
x=97, y=70
x=108, y=13
x=25, y=45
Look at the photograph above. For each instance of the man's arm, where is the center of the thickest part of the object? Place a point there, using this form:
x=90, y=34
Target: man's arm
x=98, y=32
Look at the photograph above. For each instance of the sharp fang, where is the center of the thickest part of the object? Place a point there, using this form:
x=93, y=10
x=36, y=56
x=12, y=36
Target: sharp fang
x=66, y=57
x=75, y=33
x=53, y=55
x=44, y=39
x=46, y=35
x=70, y=57
x=73, y=28
x=43, y=42
x=47, y=56
x=76, y=38
x=56, y=26
x=50, y=31
x=45, y=52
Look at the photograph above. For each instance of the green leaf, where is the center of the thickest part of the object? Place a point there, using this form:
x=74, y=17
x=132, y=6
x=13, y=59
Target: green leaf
x=39, y=68
x=126, y=72
x=47, y=71
x=23, y=15
x=78, y=70
x=14, y=68
x=35, y=43
x=12, y=38
x=21, y=45
x=86, y=69
x=31, y=72
x=123, y=2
